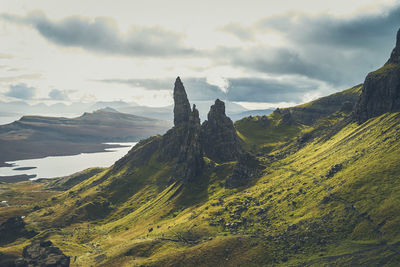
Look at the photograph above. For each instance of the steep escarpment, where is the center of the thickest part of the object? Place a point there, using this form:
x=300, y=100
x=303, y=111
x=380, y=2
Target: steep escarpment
x=381, y=89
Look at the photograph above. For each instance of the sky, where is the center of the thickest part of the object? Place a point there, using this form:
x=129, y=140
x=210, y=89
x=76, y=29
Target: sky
x=260, y=54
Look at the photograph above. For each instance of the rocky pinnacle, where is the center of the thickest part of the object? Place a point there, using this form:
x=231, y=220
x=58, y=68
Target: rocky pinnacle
x=219, y=138
x=182, y=106
x=395, y=56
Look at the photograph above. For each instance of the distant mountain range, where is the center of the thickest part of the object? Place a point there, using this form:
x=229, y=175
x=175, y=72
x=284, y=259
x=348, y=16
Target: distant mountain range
x=39, y=136
x=17, y=109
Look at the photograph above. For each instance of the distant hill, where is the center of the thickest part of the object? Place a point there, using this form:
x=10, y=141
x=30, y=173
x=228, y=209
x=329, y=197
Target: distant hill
x=247, y=113
x=39, y=136
x=18, y=109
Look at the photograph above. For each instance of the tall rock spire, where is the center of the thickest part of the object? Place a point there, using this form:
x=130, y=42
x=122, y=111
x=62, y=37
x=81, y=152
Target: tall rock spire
x=182, y=106
x=395, y=56
x=182, y=142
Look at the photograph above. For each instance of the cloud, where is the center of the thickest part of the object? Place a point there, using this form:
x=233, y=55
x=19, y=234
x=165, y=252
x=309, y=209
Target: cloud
x=32, y=76
x=197, y=88
x=340, y=51
x=269, y=90
x=21, y=91
x=367, y=31
x=241, y=32
x=101, y=35
x=5, y=56
x=252, y=89
x=56, y=94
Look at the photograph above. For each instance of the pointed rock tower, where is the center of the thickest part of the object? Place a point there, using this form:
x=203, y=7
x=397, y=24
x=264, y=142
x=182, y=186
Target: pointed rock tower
x=381, y=89
x=181, y=104
x=395, y=56
x=182, y=142
x=219, y=138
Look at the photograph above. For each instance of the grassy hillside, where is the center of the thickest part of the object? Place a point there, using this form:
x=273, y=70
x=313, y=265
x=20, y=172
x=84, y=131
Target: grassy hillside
x=331, y=200
x=262, y=134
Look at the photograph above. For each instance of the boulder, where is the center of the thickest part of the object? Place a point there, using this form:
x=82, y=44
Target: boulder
x=12, y=229
x=44, y=254
x=247, y=169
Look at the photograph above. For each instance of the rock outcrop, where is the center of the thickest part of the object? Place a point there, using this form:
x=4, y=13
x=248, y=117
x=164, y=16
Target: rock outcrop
x=381, y=89
x=219, y=138
x=13, y=229
x=247, y=169
x=42, y=253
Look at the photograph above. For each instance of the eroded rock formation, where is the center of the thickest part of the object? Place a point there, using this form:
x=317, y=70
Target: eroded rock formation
x=182, y=105
x=42, y=253
x=185, y=144
x=182, y=142
x=219, y=137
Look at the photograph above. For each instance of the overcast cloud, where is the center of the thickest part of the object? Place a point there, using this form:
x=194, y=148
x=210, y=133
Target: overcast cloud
x=340, y=51
x=56, y=94
x=251, y=89
x=268, y=52
x=101, y=35
x=21, y=91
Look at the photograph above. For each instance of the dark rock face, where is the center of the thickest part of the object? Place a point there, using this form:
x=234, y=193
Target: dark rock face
x=42, y=253
x=219, y=137
x=182, y=106
x=395, y=56
x=182, y=142
x=13, y=229
x=245, y=170
x=381, y=89
x=190, y=160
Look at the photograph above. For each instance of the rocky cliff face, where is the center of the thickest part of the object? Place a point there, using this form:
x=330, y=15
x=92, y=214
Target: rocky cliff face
x=381, y=89
x=219, y=137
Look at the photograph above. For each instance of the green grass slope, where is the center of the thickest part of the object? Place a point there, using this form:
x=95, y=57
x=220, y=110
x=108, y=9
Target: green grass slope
x=262, y=134
x=331, y=201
